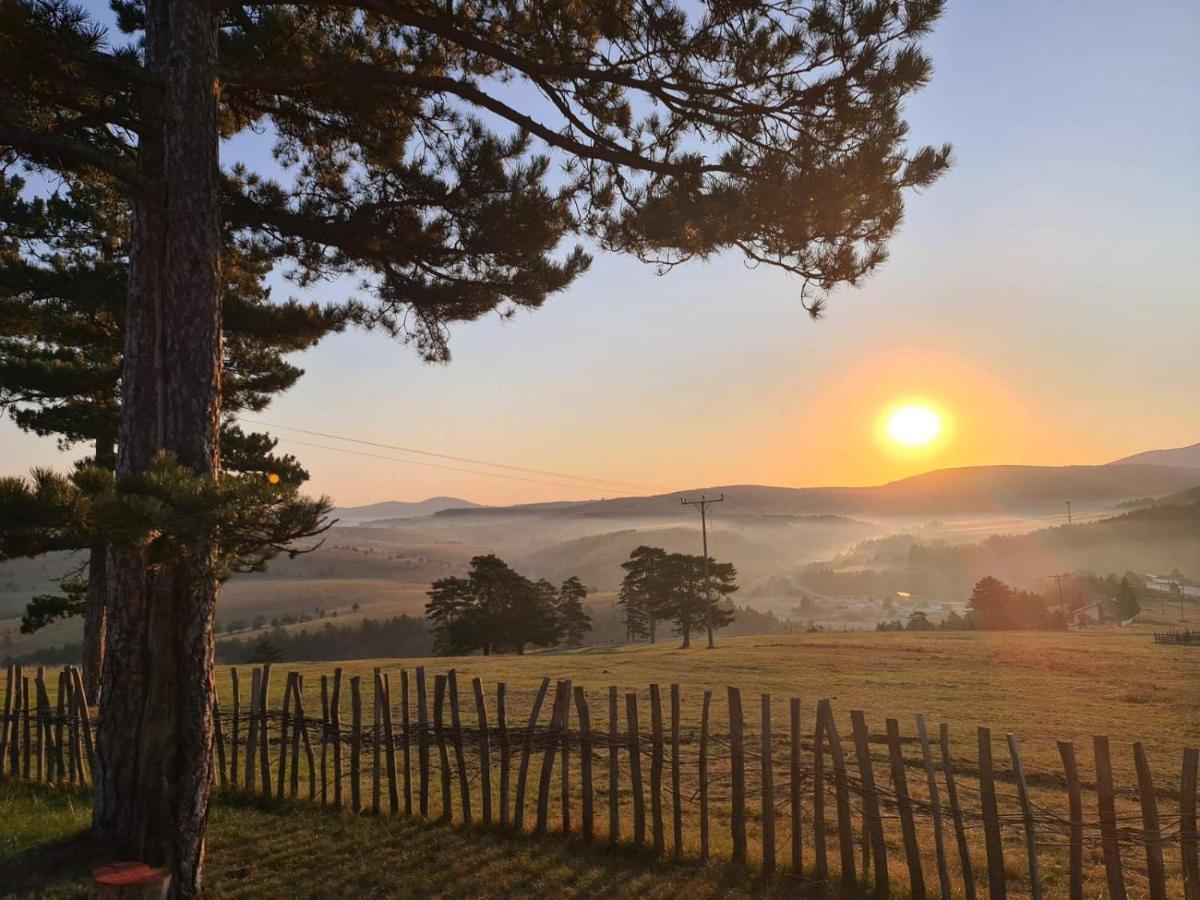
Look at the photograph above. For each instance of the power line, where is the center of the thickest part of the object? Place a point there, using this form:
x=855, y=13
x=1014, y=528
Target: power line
x=601, y=482
x=414, y=462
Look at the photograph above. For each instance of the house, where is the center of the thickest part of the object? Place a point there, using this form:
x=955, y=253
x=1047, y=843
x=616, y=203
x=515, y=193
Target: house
x=1164, y=586
x=1092, y=614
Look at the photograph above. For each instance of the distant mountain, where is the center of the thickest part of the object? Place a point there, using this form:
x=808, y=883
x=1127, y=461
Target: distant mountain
x=943, y=492
x=1183, y=457
x=399, y=509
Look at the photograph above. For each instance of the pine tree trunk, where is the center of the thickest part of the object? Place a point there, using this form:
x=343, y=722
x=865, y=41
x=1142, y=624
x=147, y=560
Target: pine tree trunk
x=153, y=771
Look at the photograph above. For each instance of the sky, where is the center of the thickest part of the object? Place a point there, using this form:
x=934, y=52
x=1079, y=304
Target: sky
x=1042, y=296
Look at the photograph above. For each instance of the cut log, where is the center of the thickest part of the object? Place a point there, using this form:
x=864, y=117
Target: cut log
x=129, y=881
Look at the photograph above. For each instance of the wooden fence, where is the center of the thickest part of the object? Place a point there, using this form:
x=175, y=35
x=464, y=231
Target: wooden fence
x=853, y=813
x=1188, y=638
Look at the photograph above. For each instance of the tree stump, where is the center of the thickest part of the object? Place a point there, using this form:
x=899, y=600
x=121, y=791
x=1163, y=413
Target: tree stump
x=129, y=881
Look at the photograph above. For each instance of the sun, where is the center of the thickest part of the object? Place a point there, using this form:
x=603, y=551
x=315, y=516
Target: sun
x=913, y=425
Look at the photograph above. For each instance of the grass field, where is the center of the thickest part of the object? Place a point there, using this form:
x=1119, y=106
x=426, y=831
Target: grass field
x=1040, y=687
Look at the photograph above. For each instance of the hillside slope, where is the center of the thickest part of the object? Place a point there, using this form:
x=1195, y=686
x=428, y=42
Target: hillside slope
x=1183, y=457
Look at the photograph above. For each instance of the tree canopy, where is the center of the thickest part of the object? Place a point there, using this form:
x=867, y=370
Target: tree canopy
x=672, y=587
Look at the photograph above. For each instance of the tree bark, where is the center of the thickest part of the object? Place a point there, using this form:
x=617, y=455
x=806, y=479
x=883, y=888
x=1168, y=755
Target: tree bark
x=154, y=772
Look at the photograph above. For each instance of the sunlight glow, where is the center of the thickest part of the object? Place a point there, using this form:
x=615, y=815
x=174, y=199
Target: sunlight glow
x=913, y=425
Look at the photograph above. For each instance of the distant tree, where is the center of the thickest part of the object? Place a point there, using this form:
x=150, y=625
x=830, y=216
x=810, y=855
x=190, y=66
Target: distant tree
x=995, y=605
x=1127, y=600
x=660, y=586
x=573, y=620
x=644, y=592
x=918, y=621
x=266, y=652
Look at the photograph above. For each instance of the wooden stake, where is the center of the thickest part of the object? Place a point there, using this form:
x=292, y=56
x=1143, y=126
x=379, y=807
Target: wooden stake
x=389, y=739
x=1189, y=845
x=960, y=833
x=27, y=721
x=422, y=743
x=39, y=724
x=235, y=725
x=297, y=730
x=704, y=775
x=85, y=720
x=377, y=743
x=61, y=753
x=737, y=762
x=614, y=771
x=485, y=752
x=543, y=797
x=997, y=882
x=768, y=789
x=324, y=740
x=219, y=738
x=820, y=852
x=1155, y=872
x=526, y=753
x=439, y=734
x=633, y=738
x=6, y=721
x=252, y=737
x=1035, y=881
x=935, y=808
x=1109, y=838
x=1075, y=798
x=916, y=877
x=335, y=725
x=14, y=745
x=870, y=801
x=841, y=786
x=505, y=751
x=676, y=788
x=564, y=729
x=794, y=785
x=656, y=770
x=585, y=764
x=285, y=733
x=460, y=758
x=406, y=725
x=264, y=737
x=302, y=727
x=356, y=744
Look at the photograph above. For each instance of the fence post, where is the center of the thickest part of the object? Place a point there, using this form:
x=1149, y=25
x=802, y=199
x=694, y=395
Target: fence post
x=614, y=767
x=302, y=725
x=219, y=739
x=794, y=784
x=1189, y=845
x=4, y=723
x=635, y=768
x=264, y=737
x=676, y=774
x=285, y=725
x=14, y=746
x=27, y=719
x=335, y=724
x=543, y=797
x=704, y=775
x=936, y=809
x=1155, y=872
x=377, y=741
x=820, y=852
x=656, y=770
x=1109, y=839
x=53, y=757
x=585, y=764
x=1075, y=800
x=40, y=720
x=997, y=882
x=297, y=729
x=324, y=740
x=485, y=752
x=389, y=740
x=960, y=832
x=235, y=725
x=1035, y=880
x=737, y=762
x=439, y=734
x=422, y=744
x=564, y=729
x=61, y=753
x=870, y=801
x=356, y=744
x=252, y=729
x=916, y=877
x=460, y=756
x=505, y=753
x=526, y=753
x=768, y=790
x=89, y=745
x=407, y=727
x=841, y=785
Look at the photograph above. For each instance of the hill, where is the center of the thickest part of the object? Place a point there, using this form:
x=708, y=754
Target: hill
x=1182, y=457
x=399, y=509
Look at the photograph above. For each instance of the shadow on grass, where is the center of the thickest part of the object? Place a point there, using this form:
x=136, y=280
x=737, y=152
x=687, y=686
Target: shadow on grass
x=263, y=849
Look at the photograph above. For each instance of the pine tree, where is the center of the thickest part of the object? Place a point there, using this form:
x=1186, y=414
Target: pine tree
x=64, y=272
x=573, y=620
x=644, y=591
x=1128, y=603
x=774, y=129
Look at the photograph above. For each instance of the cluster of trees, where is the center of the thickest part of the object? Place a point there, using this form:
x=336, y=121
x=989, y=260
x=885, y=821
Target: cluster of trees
x=687, y=592
x=495, y=609
x=409, y=168
x=366, y=639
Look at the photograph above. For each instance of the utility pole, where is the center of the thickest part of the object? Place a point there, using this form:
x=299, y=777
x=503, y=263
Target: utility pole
x=1062, y=605
x=702, y=503
x=1068, y=512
